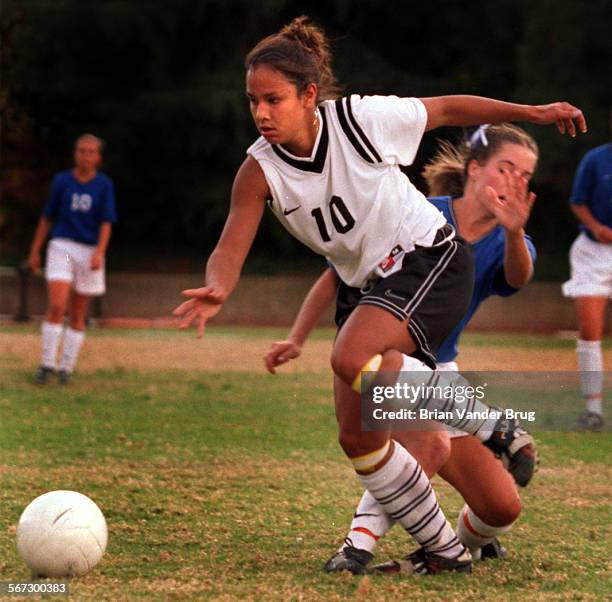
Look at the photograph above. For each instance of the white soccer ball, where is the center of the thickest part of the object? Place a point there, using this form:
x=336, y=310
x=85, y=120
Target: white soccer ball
x=61, y=534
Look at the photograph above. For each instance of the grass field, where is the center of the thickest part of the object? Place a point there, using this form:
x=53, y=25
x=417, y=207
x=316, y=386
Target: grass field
x=219, y=481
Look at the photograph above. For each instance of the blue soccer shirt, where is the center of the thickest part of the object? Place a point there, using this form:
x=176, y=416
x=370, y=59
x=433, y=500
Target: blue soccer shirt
x=593, y=185
x=489, y=274
x=78, y=209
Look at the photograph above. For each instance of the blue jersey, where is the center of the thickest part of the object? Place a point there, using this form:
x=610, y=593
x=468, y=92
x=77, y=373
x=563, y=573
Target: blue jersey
x=489, y=274
x=593, y=185
x=78, y=209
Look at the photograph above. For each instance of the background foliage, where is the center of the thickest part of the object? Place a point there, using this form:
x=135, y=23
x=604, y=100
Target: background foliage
x=163, y=83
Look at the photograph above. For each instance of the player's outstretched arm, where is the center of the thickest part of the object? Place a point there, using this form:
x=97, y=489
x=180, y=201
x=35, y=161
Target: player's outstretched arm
x=317, y=300
x=249, y=194
x=465, y=110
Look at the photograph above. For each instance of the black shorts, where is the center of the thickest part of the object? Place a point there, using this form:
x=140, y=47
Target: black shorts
x=433, y=287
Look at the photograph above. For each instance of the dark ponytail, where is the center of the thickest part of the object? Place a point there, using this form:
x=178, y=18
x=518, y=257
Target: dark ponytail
x=300, y=51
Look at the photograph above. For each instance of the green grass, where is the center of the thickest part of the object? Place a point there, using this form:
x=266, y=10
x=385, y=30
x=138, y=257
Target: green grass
x=232, y=486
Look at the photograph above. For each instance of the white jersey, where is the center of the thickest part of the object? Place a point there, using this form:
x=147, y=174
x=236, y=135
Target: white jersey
x=349, y=200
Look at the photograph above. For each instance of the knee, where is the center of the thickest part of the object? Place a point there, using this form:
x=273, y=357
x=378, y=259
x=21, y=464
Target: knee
x=512, y=510
x=432, y=449
x=506, y=512
x=348, y=364
x=55, y=311
x=437, y=452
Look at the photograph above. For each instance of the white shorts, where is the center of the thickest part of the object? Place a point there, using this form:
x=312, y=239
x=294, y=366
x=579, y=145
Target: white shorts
x=591, y=269
x=451, y=367
x=70, y=261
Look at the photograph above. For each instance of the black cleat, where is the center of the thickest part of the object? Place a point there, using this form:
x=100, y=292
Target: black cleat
x=589, y=422
x=63, y=377
x=350, y=559
x=516, y=448
x=43, y=374
x=494, y=549
x=422, y=562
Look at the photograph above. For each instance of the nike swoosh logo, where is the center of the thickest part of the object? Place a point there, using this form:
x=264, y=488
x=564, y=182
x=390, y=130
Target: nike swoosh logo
x=389, y=294
x=289, y=211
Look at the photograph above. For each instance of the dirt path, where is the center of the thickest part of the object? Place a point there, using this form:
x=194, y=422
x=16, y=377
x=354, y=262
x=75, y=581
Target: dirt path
x=233, y=353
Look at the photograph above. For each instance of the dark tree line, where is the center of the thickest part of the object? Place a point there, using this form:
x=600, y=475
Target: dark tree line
x=163, y=83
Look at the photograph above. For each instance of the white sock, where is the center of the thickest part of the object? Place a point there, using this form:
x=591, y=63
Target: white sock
x=73, y=341
x=370, y=523
x=590, y=363
x=474, y=533
x=404, y=491
x=51, y=336
x=415, y=372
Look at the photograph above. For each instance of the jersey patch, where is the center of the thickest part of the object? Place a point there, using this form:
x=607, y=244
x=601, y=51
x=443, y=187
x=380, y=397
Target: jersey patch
x=391, y=259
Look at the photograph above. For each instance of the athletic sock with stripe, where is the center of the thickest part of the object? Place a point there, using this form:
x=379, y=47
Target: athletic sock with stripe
x=404, y=491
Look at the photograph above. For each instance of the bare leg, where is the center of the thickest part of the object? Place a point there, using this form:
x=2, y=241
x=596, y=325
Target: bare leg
x=483, y=482
x=492, y=501
x=385, y=468
x=78, y=310
x=58, y=292
x=75, y=335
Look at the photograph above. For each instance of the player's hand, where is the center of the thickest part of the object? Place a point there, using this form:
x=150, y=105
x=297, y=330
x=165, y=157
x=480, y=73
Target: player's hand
x=97, y=259
x=203, y=304
x=512, y=208
x=603, y=234
x=34, y=261
x=564, y=115
x=281, y=352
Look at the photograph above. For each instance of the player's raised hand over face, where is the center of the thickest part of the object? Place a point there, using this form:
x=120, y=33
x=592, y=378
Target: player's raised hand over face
x=280, y=353
x=203, y=304
x=566, y=116
x=513, y=207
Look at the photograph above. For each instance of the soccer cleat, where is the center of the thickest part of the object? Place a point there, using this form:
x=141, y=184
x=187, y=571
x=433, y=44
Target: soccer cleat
x=493, y=549
x=589, y=422
x=422, y=562
x=43, y=374
x=349, y=558
x=516, y=448
x=63, y=377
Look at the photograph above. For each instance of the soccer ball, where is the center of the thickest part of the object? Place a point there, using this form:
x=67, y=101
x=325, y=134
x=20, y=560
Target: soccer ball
x=61, y=534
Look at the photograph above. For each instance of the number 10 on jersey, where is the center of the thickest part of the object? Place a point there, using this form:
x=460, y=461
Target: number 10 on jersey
x=341, y=218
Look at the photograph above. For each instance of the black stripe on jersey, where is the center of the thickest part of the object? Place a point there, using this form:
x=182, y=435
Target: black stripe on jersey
x=316, y=165
x=359, y=131
x=349, y=132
